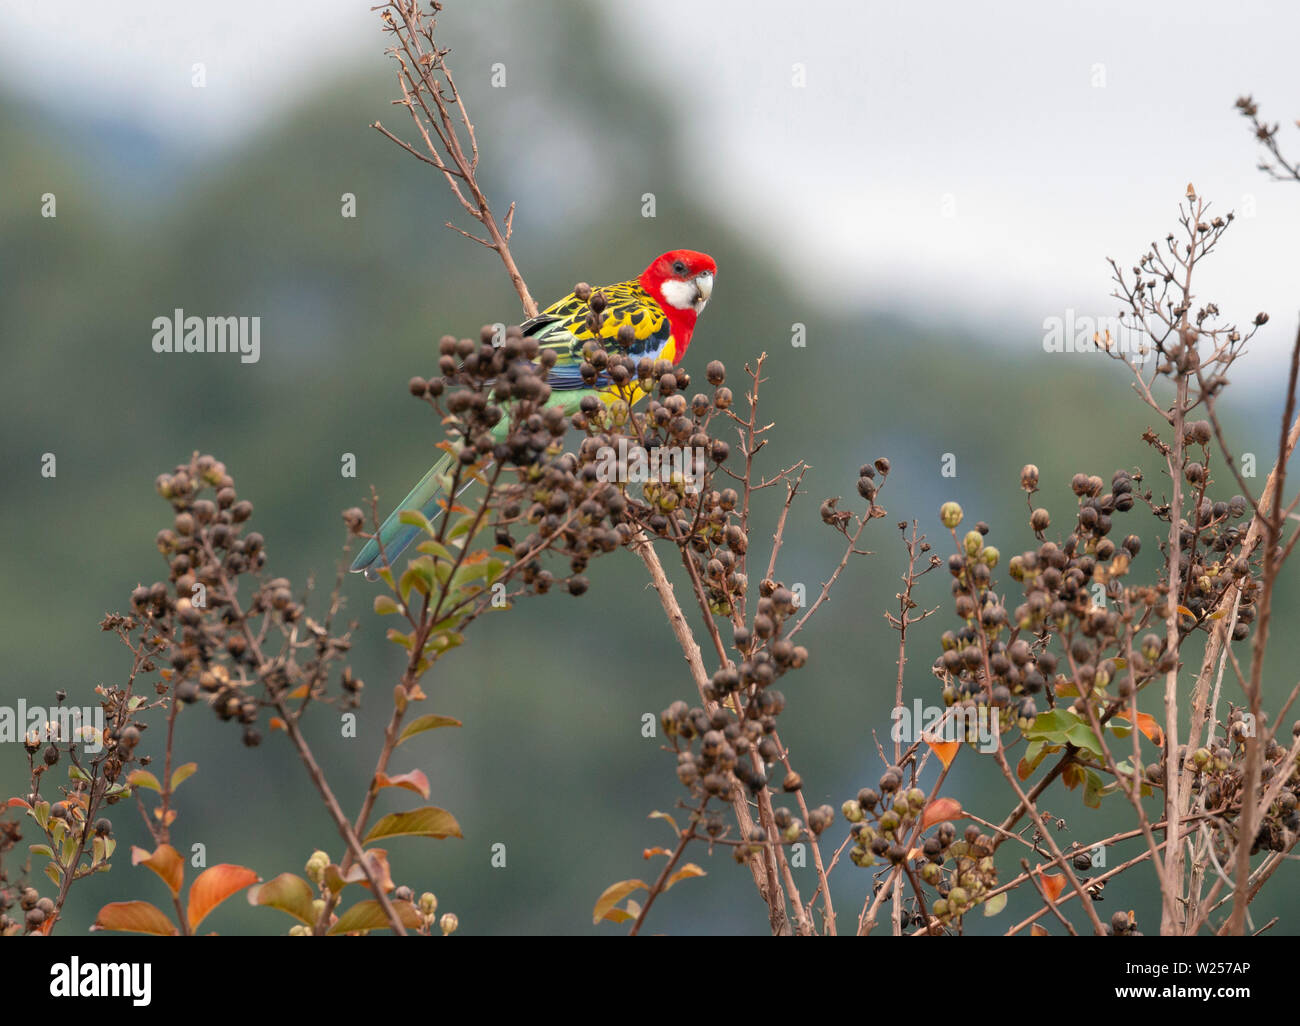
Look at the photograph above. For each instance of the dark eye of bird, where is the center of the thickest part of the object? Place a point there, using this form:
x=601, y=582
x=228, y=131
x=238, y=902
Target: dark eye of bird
x=679, y=268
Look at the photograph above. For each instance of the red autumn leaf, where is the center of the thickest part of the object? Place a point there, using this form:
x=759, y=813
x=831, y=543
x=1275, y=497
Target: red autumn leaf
x=941, y=810
x=214, y=886
x=134, y=917
x=414, y=781
x=1053, y=884
x=945, y=750
x=166, y=861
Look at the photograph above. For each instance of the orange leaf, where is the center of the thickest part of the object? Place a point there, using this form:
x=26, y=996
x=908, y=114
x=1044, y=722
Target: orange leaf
x=1071, y=776
x=214, y=886
x=166, y=861
x=652, y=852
x=685, y=873
x=615, y=893
x=945, y=750
x=1024, y=769
x=377, y=860
x=1053, y=884
x=1148, y=725
x=134, y=917
x=277, y=723
x=414, y=781
x=940, y=810
x=12, y=802
x=1038, y=931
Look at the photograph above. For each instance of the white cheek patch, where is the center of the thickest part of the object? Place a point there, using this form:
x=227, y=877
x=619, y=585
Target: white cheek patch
x=680, y=294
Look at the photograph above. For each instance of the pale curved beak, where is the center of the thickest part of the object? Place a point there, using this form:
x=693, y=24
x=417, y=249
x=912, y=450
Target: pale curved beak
x=703, y=290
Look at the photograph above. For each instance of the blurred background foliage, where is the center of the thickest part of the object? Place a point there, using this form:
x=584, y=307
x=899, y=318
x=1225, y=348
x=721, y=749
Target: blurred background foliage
x=551, y=761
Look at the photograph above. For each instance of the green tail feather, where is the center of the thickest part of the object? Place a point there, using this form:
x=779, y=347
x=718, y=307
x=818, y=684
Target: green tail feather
x=396, y=536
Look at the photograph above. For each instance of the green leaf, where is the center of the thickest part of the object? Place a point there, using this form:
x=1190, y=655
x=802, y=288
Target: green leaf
x=386, y=605
x=414, y=518
x=288, y=893
x=995, y=904
x=102, y=849
x=435, y=548
x=426, y=822
x=462, y=526
x=143, y=778
x=442, y=642
x=75, y=772
x=419, y=576
x=1051, y=726
x=41, y=813
x=42, y=849
x=369, y=915
x=1092, y=789
x=183, y=773
x=428, y=722
x=1081, y=736
x=1059, y=726
x=52, y=871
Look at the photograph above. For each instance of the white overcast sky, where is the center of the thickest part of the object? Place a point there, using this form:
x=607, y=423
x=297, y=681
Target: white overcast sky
x=1057, y=133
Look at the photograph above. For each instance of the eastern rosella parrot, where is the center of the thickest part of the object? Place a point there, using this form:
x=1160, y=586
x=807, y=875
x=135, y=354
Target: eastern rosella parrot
x=661, y=305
